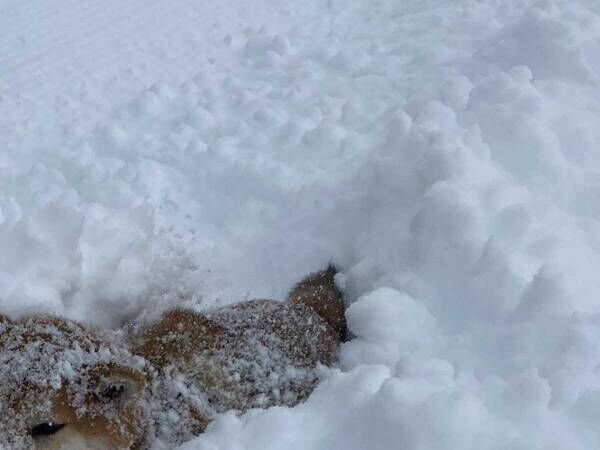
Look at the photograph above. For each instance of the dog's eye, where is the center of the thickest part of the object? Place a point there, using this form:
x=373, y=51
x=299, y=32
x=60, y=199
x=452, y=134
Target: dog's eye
x=45, y=429
x=112, y=391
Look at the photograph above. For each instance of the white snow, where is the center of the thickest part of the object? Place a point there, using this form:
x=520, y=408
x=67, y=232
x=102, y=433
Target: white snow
x=444, y=154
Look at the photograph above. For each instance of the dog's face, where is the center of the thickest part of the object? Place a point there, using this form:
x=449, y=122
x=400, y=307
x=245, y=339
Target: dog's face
x=108, y=420
x=64, y=387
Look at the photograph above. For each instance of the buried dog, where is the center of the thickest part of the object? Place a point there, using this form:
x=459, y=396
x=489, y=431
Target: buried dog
x=66, y=386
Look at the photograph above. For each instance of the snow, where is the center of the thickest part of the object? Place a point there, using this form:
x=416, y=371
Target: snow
x=443, y=154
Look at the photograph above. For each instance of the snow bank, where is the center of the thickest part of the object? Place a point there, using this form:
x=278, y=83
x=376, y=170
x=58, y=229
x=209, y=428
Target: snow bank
x=444, y=155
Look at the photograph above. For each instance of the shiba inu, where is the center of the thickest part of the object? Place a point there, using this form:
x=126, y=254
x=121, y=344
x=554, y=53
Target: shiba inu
x=64, y=385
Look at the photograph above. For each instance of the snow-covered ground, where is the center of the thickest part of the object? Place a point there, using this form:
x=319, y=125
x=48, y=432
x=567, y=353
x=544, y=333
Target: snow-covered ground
x=445, y=154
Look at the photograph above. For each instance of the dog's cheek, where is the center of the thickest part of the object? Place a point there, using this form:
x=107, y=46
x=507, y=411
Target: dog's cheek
x=98, y=433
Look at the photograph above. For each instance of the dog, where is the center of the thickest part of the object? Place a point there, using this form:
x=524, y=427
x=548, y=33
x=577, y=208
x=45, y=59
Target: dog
x=65, y=385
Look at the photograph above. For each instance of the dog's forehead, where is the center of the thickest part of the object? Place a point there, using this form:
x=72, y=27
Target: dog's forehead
x=47, y=352
x=47, y=331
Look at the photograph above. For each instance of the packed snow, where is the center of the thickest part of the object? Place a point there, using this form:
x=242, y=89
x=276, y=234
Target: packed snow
x=443, y=154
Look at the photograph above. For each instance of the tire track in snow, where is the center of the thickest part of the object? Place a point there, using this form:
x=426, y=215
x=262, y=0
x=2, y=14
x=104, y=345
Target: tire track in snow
x=78, y=44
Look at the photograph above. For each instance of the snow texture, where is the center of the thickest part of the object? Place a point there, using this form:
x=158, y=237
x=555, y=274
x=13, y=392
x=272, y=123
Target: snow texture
x=443, y=154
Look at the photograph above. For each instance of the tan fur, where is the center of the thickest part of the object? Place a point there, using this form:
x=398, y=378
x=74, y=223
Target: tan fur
x=227, y=357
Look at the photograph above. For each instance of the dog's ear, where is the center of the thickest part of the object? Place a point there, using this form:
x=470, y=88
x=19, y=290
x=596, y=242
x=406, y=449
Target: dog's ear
x=116, y=385
x=319, y=292
x=176, y=336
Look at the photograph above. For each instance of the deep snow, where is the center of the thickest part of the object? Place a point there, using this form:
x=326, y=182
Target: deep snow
x=444, y=154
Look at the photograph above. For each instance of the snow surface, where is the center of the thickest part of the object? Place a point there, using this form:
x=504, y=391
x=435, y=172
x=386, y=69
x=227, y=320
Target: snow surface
x=444, y=154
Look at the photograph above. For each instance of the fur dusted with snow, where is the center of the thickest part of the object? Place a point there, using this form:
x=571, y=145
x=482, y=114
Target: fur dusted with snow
x=65, y=385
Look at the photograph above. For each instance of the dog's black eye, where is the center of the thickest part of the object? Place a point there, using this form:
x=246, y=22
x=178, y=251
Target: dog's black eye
x=112, y=391
x=45, y=429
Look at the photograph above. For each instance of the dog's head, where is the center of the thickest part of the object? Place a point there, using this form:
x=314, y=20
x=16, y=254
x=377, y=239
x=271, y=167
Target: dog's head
x=63, y=386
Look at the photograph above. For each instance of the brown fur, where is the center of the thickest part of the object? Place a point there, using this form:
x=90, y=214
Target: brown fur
x=319, y=291
x=97, y=427
x=105, y=413
x=227, y=356
x=161, y=342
